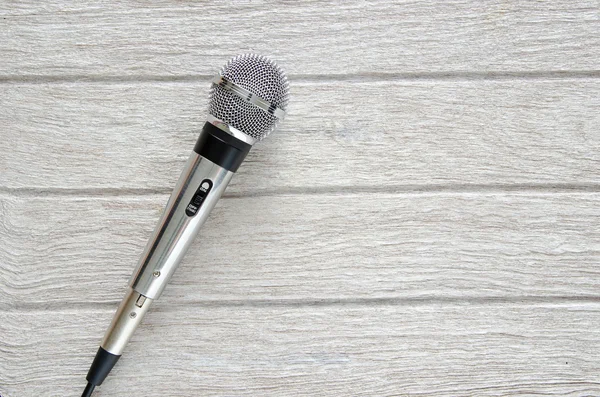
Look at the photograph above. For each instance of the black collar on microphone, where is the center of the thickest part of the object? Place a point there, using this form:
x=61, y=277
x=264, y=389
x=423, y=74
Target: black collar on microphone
x=221, y=148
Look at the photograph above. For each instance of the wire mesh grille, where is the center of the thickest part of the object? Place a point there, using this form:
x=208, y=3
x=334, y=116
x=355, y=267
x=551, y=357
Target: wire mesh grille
x=259, y=75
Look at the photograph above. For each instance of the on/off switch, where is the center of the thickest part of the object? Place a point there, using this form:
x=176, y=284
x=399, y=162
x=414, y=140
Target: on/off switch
x=196, y=201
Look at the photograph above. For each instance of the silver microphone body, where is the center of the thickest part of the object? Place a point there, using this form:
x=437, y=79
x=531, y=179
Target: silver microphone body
x=174, y=233
x=248, y=98
x=178, y=226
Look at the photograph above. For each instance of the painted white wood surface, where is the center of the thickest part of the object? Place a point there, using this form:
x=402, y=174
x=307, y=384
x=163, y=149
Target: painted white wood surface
x=168, y=38
x=425, y=222
x=377, y=135
x=311, y=247
x=435, y=349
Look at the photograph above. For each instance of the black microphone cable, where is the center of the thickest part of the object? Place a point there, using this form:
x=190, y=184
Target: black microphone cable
x=89, y=389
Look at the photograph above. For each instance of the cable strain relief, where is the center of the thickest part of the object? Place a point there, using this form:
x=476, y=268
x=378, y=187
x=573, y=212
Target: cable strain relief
x=101, y=366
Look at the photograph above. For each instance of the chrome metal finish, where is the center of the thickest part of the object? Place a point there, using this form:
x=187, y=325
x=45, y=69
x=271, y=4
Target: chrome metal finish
x=176, y=230
x=125, y=321
x=248, y=96
x=230, y=130
x=247, y=100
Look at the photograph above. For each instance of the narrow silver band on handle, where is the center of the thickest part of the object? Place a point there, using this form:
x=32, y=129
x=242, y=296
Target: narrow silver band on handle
x=230, y=130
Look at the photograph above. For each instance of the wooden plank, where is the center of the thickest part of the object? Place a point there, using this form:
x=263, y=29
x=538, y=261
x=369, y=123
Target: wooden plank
x=380, y=135
x=433, y=350
x=56, y=250
x=60, y=38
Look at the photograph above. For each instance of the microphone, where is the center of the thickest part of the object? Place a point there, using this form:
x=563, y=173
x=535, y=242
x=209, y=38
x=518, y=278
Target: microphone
x=248, y=98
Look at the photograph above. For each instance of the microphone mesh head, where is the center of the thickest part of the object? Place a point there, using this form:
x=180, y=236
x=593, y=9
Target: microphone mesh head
x=259, y=75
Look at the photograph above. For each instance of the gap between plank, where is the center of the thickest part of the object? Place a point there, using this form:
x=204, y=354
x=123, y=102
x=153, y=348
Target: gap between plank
x=539, y=188
x=175, y=302
x=312, y=78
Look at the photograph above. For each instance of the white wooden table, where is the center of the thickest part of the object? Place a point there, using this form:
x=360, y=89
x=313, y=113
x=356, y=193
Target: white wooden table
x=425, y=222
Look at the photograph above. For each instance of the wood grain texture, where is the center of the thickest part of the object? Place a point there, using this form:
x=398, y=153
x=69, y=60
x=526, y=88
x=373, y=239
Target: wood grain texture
x=310, y=247
x=426, y=222
x=432, y=350
x=381, y=135
x=317, y=38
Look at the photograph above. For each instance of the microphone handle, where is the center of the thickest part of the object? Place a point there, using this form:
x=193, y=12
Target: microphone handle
x=199, y=188
x=207, y=172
